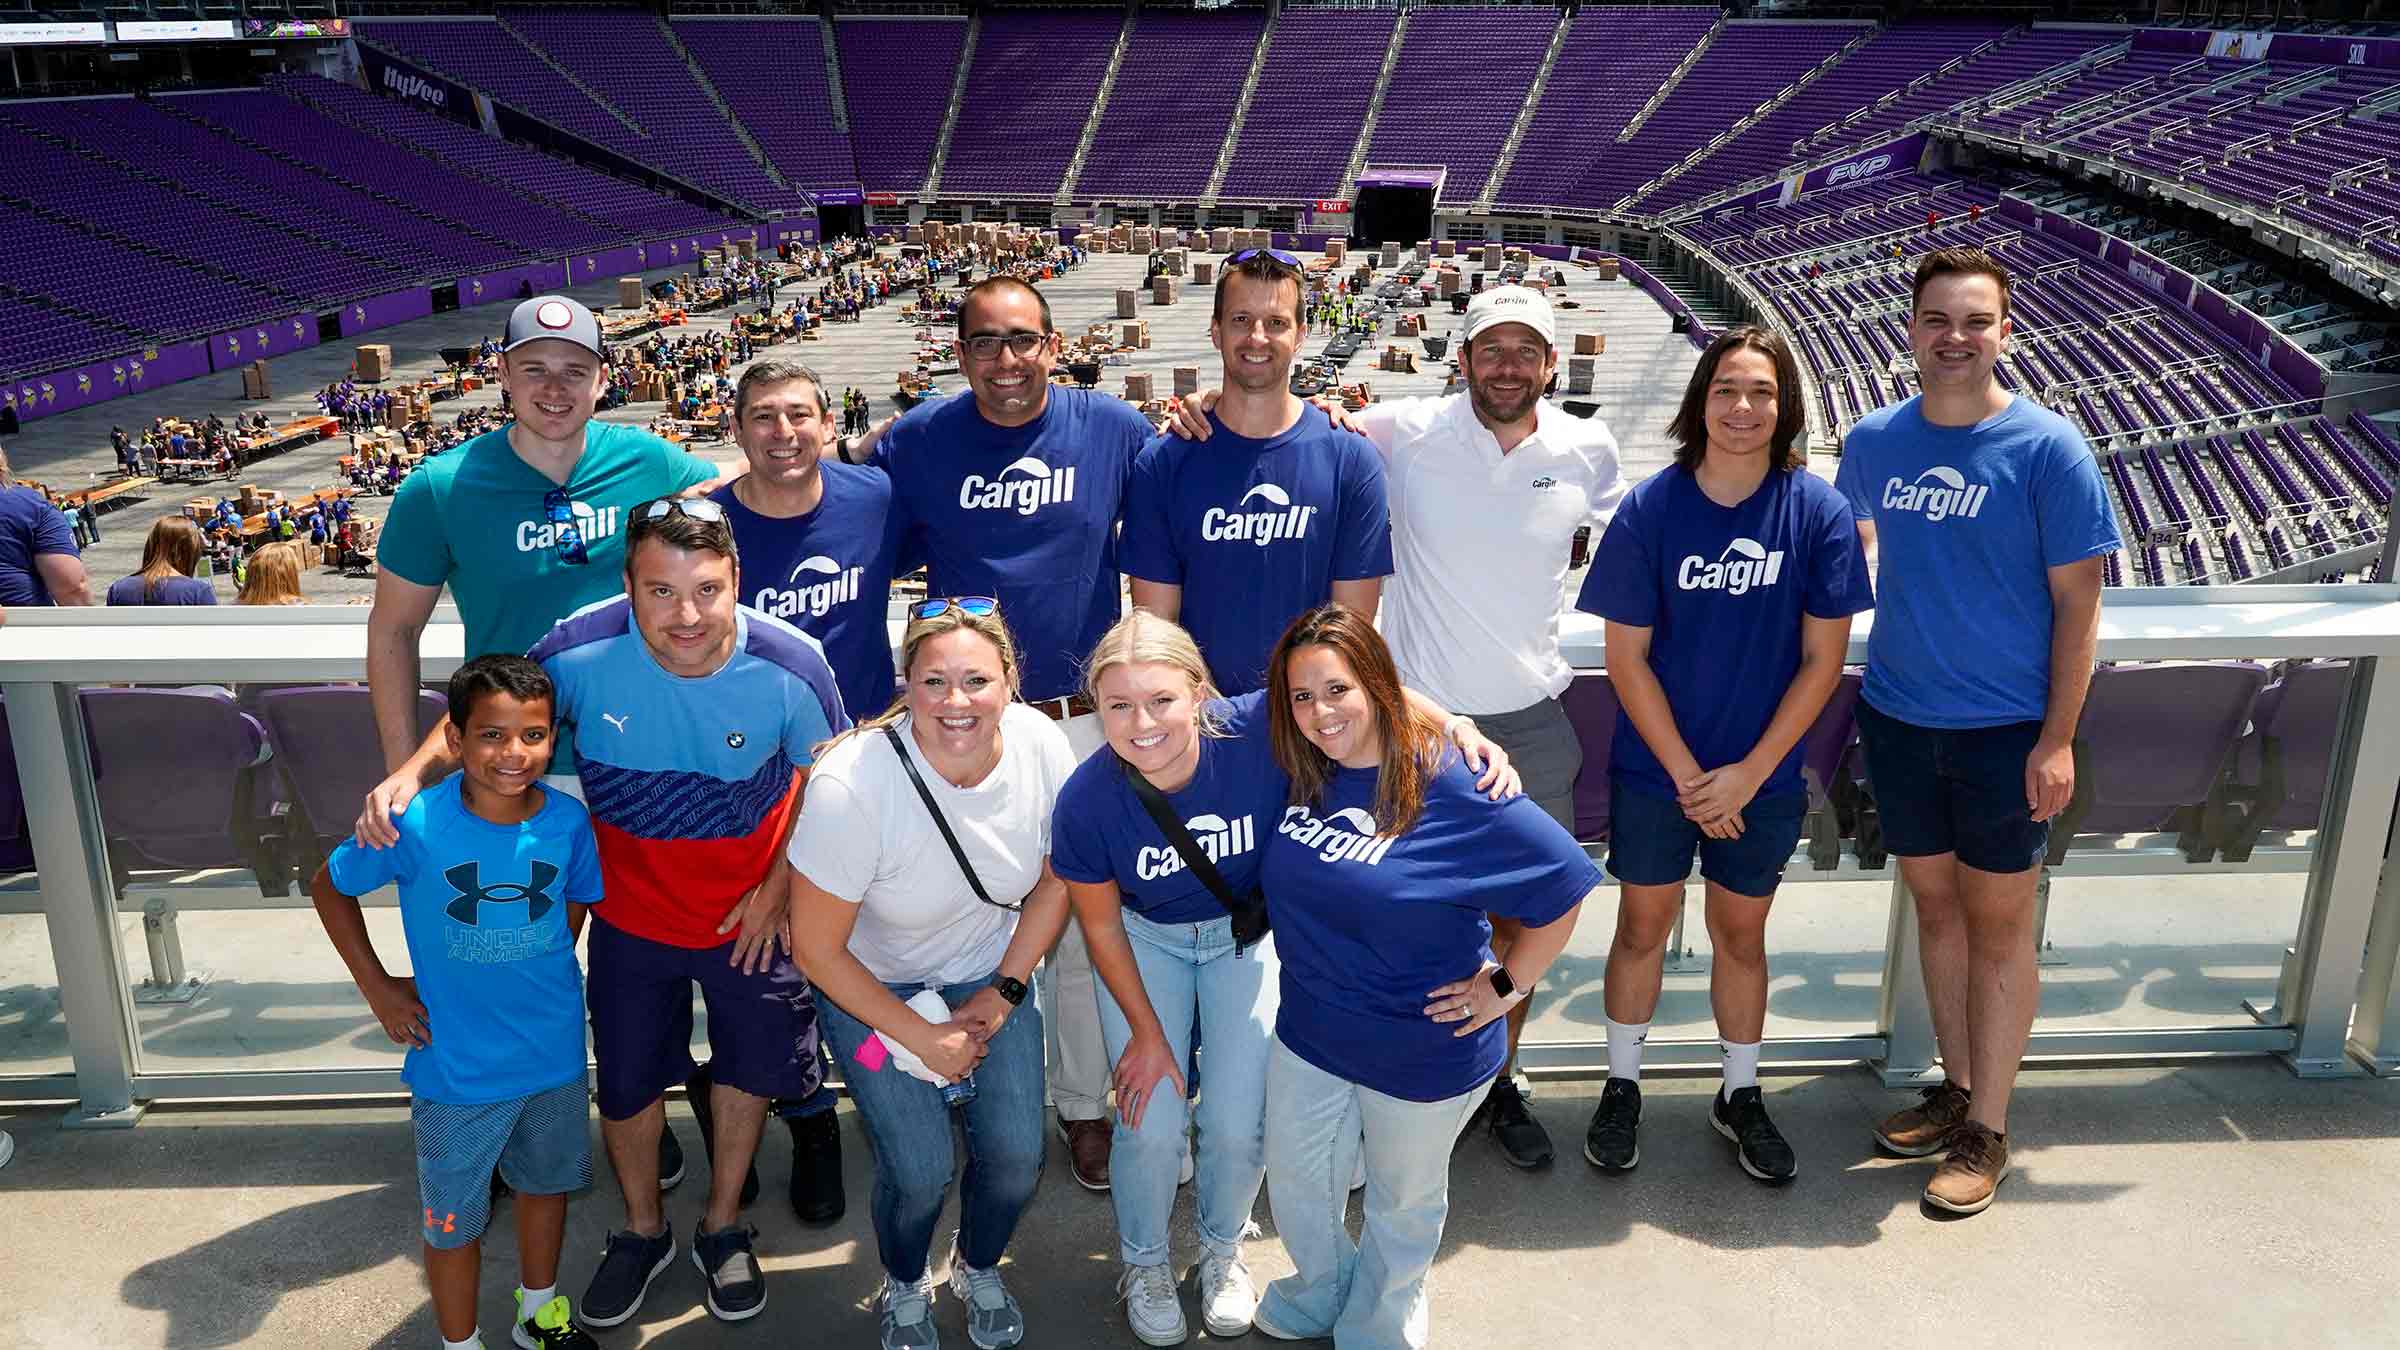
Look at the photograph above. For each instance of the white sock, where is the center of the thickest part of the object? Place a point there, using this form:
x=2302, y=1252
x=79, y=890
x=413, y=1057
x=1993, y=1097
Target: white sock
x=1741, y=1064
x=1625, y=1049
x=474, y=1341
x=530, y=1301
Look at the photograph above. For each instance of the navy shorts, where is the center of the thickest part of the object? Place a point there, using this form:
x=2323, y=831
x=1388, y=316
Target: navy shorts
x=762, y=1028
x=541, y=1142
x=1651, y=842
x=1962, y=792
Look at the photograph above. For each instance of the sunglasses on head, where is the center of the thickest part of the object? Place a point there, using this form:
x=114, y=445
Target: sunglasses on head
x=698, y=508
x=1287, y=259
x=981, y=606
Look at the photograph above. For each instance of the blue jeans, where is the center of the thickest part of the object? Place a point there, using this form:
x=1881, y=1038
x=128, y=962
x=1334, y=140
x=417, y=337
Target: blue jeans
x=1369, y=1294
x=1195, y=979
x=909, y=1129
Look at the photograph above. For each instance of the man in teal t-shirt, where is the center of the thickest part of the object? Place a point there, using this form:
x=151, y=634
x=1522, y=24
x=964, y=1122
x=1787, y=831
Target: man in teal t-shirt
x=525, y=525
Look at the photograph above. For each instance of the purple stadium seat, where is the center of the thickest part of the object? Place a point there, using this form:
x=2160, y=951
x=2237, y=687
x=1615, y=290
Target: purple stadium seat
x=1591, y=703
x=329, y=757
x=1822, y=752
x=177, y=772
x=16, y=843
x=2151, y=745
x=2278, y=778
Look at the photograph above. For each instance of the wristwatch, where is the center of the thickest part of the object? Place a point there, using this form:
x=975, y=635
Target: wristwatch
x=1502, y=985
x=1011, y=989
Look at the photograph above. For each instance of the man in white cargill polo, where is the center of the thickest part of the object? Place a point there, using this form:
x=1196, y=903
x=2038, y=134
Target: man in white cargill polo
x=1487, y=489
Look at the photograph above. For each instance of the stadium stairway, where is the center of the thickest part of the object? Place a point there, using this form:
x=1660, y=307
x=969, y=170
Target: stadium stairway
x=958, y=98
x=1241, y=109
x=1533, y=100
x=1366, y=125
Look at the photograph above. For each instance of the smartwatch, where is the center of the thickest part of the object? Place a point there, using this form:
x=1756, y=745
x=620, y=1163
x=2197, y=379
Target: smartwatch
x=1011, y=989
x=1502, y=985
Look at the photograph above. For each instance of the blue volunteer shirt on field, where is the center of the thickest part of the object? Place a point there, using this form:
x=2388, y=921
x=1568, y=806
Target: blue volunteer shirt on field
x=1255, y=532
x=1723, y=589
x=1366, y=926
x=1026, y=515
x=1968, y=520
x=829, y=574
x=1099, y=830
x=484, y=909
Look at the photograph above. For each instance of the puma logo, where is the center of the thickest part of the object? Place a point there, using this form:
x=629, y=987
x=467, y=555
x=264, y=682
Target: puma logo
x=615, y=721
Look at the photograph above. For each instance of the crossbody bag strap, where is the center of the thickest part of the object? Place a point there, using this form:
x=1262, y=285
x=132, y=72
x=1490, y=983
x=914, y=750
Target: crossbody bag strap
x=942, y=823
x=1163, y=816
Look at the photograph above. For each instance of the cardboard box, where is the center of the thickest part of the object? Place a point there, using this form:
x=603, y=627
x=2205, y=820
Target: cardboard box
x=1204, y=274
x=1134, y=333
x=374, y=361
x=1391, y=256
x=1445, y=282
x=1336, y=249
x=1398, y=359
x=1448, y=248
x=1127, y=299
x=1408, y=325
x=915, y=235
x=1590, y=344
x=1177, y=261
x=746, y=249
x=1162, y=291
x=1220, y=240
x=629, y=293
x=1579, y=374
x=254, y=381
x=1187, y=380
x=1137, y=387
x=1491, y=257
x=1606, y=269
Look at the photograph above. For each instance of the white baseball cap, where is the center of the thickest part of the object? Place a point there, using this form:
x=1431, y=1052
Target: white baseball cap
x=1511, y=304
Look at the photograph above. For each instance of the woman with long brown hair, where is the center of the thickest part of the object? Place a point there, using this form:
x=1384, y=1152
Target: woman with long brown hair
x=170, y=556
x=1728, y=582
x=1380, y=879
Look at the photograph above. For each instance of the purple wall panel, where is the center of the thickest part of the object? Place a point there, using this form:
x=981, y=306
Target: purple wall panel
x=238, y=347
x=607, y=262
x=490, y=287
x=382, y=311
x=82, y=386
x=2380, y=53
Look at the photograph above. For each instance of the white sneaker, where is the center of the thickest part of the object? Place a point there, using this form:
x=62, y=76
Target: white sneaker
x=1228, y=1301
x=1152, y=1308
x=8, y=1147
x=1183, y=1174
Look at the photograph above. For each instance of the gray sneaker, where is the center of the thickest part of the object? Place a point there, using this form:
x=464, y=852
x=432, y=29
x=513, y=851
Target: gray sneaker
x=906, y=1314
x=994, y=1321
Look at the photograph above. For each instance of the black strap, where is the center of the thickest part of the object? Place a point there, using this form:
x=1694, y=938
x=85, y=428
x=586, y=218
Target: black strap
x=941, y=822
x=1163, y=815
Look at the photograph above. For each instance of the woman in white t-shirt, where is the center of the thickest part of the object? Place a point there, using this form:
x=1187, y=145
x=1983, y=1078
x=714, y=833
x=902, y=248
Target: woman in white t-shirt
x=883, y=910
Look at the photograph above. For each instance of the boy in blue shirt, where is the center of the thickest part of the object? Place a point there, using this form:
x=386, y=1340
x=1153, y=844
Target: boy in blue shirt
x=1993, y=530
x=495, y=872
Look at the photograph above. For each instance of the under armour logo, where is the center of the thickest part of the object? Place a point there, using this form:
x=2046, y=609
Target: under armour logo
x=447, y=1224
x=467, y=881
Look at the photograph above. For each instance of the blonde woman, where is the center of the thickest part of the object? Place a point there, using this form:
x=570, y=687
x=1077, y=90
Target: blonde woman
x=1176, y=963
x=886, y=907
x=273, y=577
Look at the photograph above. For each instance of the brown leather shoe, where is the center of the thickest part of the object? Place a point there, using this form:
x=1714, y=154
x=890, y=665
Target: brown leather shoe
x=1087, y=1150
x=1925, y=1128
x=1968, y=1179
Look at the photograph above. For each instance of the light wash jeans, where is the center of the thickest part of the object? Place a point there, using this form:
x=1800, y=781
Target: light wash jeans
x=1080, y=1067
x=1193, y=976
x=1370, y=1294
x=910, y=1131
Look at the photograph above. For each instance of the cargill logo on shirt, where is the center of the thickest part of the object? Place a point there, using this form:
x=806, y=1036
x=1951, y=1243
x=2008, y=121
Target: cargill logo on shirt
x=1024, y=487
x=1275, y=519
x=1217, y=837
x=816, y=585
x=1348, y=835
x=1939, y=493
x=1544, y=483
x=592, y=524
x=1744, y=563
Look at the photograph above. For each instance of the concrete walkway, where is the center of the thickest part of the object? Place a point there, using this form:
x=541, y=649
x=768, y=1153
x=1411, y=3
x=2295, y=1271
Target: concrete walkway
x=2206, y=1204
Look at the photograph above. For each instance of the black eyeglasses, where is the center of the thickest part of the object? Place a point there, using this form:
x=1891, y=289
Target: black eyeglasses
x=981, y=606
x=565, y=534
x=985, y=346
x=1287, y=259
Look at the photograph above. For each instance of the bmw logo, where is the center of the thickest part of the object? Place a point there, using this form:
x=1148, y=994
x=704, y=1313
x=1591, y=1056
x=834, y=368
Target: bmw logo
x=735, y=739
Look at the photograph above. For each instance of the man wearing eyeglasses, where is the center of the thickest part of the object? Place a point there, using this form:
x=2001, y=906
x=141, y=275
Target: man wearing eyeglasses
x=1274, y=515
x=1014, y=492
x=1487, y=490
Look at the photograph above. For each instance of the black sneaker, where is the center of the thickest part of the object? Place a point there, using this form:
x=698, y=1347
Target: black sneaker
x=817, y=1168
x=695, y=1089
x=670, y=1158
x=1612, y=1144
x=1758, y=1146
x=735, y=1289
x=627, y=1267
x=1521, y=1138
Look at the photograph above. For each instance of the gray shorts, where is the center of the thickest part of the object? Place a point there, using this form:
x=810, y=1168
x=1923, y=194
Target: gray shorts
x=1541, y=742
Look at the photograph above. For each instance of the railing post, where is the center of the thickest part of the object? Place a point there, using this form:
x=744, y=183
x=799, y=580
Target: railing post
x=1903, y=1016
x=2322, y=983
x=62, y=812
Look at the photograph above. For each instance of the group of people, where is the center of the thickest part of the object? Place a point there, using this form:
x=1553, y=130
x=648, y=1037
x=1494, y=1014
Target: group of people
x=1286, y=848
